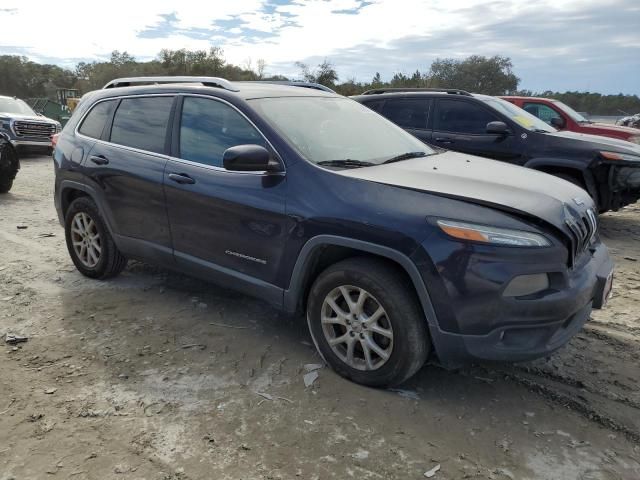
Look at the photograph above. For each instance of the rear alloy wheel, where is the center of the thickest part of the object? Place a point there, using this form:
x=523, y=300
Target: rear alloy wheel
x=86, y=240
x=367, y=323
x=90, y=245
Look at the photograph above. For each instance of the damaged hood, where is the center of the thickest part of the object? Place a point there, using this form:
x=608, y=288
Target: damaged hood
x=483, y=181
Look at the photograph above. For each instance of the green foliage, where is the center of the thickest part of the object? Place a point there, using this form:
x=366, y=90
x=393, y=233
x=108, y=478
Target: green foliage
x=325, y=74
x=493, y=76
x=23, y=78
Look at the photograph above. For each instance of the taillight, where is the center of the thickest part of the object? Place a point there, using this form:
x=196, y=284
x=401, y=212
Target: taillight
x=54, y=139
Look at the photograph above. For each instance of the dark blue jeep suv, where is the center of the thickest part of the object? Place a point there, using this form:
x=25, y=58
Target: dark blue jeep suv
x=317, y=204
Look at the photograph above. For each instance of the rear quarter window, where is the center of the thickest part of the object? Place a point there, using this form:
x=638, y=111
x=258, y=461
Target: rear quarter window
x=95, y=121
x=142, y=123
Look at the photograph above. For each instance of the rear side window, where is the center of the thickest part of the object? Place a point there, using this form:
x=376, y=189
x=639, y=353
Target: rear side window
x=462, y=117
x=408, y=113
x=93, y=124
x=142, y=123
x=209, y=127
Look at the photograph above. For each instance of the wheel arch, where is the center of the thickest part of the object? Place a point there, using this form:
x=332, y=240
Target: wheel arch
x=576, y=169
x=69, y=190
x=5, y=142
x=321, y=251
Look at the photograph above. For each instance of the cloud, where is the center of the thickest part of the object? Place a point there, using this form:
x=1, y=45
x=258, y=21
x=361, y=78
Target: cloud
x=555, y=44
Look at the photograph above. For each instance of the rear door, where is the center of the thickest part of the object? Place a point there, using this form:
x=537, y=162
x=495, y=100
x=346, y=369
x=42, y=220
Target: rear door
x=225, y=225
x=461, y=125
x=127, y=166
x=412, y=114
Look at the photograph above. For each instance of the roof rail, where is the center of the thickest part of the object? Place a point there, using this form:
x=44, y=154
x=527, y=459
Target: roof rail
x=451, y=91
x=295, y=83
x=206, y=81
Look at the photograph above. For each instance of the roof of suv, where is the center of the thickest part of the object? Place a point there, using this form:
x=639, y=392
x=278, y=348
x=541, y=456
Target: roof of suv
x=245, y=90
x=412, y=92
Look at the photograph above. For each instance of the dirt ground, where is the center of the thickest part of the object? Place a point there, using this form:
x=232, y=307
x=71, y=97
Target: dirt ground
x=153, y=375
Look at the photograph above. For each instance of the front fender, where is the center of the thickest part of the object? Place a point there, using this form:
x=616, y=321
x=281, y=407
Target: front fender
x=304, y=264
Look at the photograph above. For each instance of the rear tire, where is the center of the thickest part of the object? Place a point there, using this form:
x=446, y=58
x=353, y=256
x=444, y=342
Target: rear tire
x=89, y=242
x=366, y=322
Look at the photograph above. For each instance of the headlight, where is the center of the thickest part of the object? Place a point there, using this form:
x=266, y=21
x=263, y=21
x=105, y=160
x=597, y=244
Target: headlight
x=635, y=139
x=493, y=235
x=620, y=156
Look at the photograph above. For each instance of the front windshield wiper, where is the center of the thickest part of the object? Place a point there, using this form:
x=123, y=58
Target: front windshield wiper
x=346, y=163
x=406, y=156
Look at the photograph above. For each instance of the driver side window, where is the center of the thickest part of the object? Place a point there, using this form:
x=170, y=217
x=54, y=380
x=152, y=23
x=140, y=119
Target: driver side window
x=458, y=116
x=209, y=127
x=543, y=112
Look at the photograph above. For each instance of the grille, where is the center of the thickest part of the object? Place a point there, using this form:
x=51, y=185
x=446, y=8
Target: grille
x=583, y=228
x=34, y=129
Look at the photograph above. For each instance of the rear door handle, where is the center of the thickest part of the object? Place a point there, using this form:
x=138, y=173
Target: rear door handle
x=99, y=159
x=181, y=178
x=444, y=139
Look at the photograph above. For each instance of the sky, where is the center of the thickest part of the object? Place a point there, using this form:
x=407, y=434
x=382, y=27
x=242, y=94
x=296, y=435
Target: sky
x=585, y=45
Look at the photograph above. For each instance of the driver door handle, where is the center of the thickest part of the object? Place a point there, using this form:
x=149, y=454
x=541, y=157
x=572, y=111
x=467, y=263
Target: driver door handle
x=99, y=159
x=181, y=178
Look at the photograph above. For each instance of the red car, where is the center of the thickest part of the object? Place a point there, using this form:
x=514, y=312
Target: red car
x=563, y=117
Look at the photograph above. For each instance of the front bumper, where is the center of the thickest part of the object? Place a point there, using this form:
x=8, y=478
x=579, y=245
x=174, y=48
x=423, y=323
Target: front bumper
x=31, y=143
x=481, y=324
x=624, y=182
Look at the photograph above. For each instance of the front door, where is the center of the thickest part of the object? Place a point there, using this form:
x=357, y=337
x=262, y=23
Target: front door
x=411, y=114
x=461, y=125
x=227, y=226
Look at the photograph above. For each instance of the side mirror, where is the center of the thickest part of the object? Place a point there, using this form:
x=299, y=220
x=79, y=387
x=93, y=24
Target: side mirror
x=557, y=122
x=248, y=158
x=498, y=128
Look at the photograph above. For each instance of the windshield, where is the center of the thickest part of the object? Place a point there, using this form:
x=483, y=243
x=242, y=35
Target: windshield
x=518, y=115
x=571, y=112
x=15, y=105
x=325, y=129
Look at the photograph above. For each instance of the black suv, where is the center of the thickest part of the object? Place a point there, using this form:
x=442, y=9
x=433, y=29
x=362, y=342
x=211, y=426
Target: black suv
x=607, y=168
x=317, y=204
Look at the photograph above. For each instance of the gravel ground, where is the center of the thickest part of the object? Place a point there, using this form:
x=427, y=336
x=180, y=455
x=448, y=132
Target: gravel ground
x=154, y=375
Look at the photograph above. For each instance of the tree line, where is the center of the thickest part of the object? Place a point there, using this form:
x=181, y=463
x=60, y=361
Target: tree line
x=489, y=75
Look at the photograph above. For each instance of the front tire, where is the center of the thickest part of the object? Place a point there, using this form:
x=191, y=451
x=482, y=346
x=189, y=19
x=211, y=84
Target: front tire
x=8, y=159
x=5, y=184
x=367, y=323
x=90, y=245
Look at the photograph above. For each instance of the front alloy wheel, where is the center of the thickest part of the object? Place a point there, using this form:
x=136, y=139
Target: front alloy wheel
x=357, y=328
x=366, y=321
